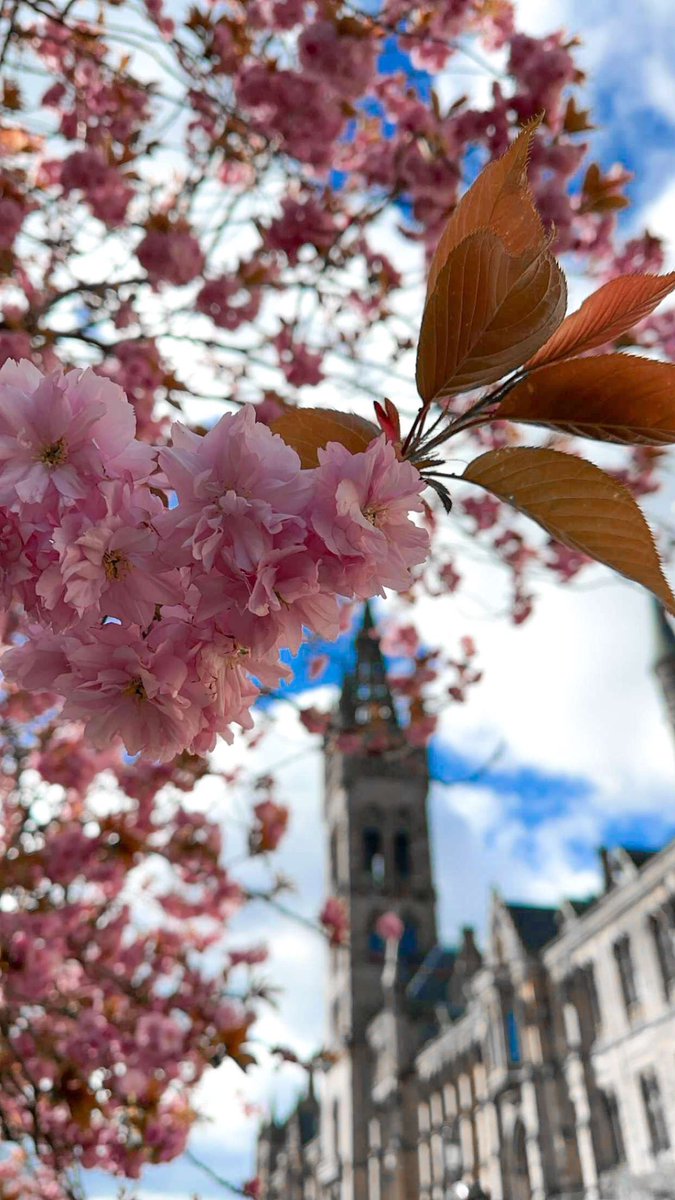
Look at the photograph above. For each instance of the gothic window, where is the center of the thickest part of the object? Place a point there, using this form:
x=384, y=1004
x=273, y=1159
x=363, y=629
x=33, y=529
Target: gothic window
x=616, y=1153
x=513, y=1038
x=624, y=963
x=656, y=1119
x=402, y=860
x=662, y=925
x=373, y=858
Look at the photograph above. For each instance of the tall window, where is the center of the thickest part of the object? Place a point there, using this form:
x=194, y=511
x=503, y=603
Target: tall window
x=624, y=963
x=616, y=1153
x=662, y=925
x=373, y=858
x=656, y=1119
x=591, y=990
x=402, y=862
x=513, y=1038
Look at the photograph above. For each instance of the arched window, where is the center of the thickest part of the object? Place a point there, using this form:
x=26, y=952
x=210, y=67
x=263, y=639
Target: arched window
x=402, y=860
x=373, y=858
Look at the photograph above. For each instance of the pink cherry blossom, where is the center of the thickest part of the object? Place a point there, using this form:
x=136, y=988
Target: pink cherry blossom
x=389, y=927
x=333, y=917
x=229, y=302
x=111, y=567
x=361, y=511
x=337, y=60
x=60, y=436
x=118, y=684
x=304, y=221
x=104, y=188
x=170, y=254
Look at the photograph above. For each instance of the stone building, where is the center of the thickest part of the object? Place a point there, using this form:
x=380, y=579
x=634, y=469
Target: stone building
x=542, y=1068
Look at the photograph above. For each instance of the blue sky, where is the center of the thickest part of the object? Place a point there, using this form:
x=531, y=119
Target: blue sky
x=568, y=699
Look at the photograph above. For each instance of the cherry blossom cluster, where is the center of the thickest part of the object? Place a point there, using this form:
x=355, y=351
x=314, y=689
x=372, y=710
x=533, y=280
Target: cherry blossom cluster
x=159, y=585
x=108, y=1024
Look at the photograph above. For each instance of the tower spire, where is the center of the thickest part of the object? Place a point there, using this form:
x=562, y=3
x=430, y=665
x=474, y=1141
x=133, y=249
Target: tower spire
x=664, y=661
x=366, y=698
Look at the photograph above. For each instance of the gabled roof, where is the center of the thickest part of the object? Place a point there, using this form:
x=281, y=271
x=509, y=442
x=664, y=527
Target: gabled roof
x=536, y=927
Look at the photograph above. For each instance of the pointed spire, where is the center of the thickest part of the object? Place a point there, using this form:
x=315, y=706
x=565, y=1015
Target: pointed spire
x=366, y=697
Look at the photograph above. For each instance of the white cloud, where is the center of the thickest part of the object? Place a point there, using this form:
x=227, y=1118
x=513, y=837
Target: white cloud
x=571, y=690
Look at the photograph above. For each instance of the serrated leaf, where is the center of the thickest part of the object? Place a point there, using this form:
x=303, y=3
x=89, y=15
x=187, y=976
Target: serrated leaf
x=487, y=314
x=308, y=430
x=500, y=200
x=578, y=504
x=609, y=312
x=611, y=397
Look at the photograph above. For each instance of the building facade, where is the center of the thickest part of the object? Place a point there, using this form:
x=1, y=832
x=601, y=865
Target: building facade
x=542, y=1068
